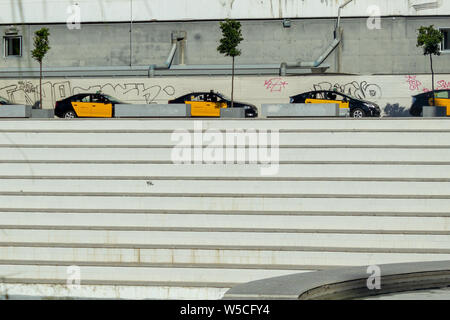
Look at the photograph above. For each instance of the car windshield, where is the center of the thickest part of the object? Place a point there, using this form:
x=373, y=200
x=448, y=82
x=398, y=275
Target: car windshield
x=224, y=97
x=114, y=100
x=4, y=101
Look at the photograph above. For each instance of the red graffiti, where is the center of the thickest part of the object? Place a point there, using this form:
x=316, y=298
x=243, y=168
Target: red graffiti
x=443, y=85
x=275, y=84
x=414, y=84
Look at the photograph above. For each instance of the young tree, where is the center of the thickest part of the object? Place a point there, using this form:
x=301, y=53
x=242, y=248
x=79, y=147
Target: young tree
x=231, y=37
x=430, y=40
x=41, y=47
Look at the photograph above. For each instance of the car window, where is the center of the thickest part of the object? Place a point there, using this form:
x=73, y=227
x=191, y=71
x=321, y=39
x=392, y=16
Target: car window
x=218, y=98
x=340, y=97
x=320, y=95
x=199, y=97
x=82, y=99
x=211, y=97
x=441, y=95
x=111, y=99
x=96, y=98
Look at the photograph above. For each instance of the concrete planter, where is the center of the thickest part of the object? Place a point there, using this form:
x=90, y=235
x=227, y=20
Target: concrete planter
x=232, y=113
x=431, y=112
x=300, y=110
x=43, y=113
x=15, y=111
x=150, y=111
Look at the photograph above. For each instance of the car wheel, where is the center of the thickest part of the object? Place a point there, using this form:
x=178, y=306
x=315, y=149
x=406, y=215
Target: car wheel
x=358, y=113
x=69, y=115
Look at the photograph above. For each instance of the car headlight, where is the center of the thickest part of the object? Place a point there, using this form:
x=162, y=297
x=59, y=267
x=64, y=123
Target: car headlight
x=291, y=100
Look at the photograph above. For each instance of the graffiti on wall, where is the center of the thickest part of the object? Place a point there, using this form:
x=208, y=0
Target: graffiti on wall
x=442, y=84
x=360, y=90
x=27, y=92
x=416, y=85
x=275, y=84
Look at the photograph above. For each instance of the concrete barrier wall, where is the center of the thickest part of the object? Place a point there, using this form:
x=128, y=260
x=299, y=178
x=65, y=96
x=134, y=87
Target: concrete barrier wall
x=15, y=111
x=232, y=113
x=150, y=111
x=106, y=196
x=299, y=110
x=434, y=112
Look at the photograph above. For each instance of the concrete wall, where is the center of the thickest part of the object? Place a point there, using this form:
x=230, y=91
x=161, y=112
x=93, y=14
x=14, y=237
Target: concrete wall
x=389, y=50
x=45, y=11
x=393, y=92
x=104, y=195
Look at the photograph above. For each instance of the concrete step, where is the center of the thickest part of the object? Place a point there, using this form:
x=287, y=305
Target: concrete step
x=201, y=277
x=227, y=187
x=170, y=124
x=303, y=171
x=51, y=291
x=169, y=139
x=254, y=204
x=213, y=238
x=217, y=222
x=222, y=258
x=297, y=155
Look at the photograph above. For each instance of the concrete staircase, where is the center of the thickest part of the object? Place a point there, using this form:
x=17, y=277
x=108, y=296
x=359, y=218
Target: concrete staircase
x=105, y=196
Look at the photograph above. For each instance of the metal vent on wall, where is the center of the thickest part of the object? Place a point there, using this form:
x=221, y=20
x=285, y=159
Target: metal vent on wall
x=11, y=30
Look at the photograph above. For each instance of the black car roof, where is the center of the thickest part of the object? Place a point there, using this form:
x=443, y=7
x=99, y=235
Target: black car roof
x=201, y=92
x=316, y=91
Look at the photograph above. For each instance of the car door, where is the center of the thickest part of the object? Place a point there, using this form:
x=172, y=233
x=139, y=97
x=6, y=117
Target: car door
x=319, y=97
x=82, y=105
x=343, y=101
x=329, y=97
x=100, y=107
x=442, y=99
x=220, y=103
x=202, y=106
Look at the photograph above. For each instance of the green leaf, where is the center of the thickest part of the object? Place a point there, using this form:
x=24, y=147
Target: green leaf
x=231, y=37
x=41, y=44
x=429, y=39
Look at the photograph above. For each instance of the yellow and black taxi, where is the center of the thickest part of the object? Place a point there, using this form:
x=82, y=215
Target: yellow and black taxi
x=86, y=105
x=357, y=108
x=441, y=98
x=208, y=104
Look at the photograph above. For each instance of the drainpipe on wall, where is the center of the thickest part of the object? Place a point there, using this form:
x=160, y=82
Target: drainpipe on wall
x=178, y=39
x=333, y=45
x=166, y=65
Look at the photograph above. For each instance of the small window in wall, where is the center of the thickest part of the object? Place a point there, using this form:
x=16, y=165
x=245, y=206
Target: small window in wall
x=13, y=46
x=445, y=46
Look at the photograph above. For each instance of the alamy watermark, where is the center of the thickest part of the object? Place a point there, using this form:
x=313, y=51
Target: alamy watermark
x=73, y=21
x=374, y=280
x=374, y=20
x=73, y=277
x=234, y=146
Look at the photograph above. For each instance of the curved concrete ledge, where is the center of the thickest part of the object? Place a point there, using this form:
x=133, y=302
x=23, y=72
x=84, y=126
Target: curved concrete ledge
x=346, y=283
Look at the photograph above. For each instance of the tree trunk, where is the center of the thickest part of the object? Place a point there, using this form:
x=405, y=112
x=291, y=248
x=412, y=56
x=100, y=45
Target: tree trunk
x=40, y=85
x=232, y=85
x=432, y=79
